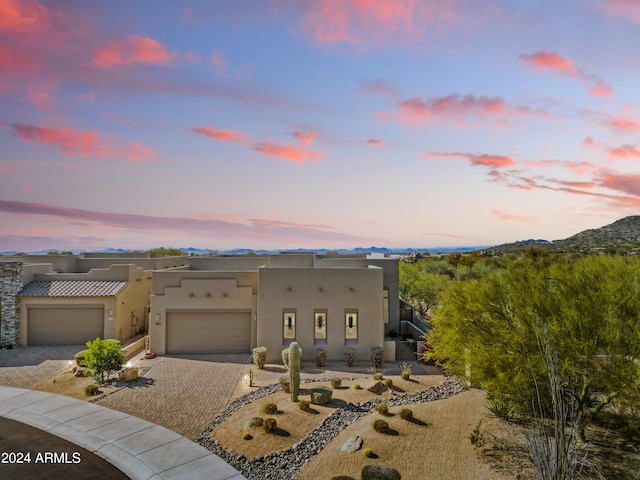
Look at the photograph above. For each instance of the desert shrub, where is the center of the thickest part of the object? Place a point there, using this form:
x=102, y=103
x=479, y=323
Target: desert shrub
x=388, y=382
x=368, y=452
x=103, y=358
x=269, y=425
x=246, y=436
x=91, y=390
x=254, y=422
x=260, y=356
x=406, y=414
x=501, y=409
x=383, y=409
x=285, y=358
x=335, y=382
x=405, y=371
x=380, y=426
x=376, y=355
x=349, y=356
x=304, y=405
x=356, y=386
x=321, y=396
x=285, y=384
x=378, y=376
x=476, y=437
x=270, y=408
x=321, y=357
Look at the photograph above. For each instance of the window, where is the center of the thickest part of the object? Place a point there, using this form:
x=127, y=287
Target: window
x=289, y=319
x=320, y=326
x=385, y=305
x=351, y=325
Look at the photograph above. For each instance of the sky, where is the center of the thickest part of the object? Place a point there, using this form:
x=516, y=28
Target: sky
x=282, y=124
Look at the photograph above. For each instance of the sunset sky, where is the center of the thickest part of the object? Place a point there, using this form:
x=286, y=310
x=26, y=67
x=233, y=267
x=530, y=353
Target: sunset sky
x=286, y=124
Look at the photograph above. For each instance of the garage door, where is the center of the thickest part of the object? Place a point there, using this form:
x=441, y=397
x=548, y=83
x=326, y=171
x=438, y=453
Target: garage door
x=208, y=332
x=64, y=326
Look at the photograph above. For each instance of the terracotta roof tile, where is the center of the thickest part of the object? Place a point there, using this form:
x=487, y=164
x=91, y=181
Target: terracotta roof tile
x=72, y=288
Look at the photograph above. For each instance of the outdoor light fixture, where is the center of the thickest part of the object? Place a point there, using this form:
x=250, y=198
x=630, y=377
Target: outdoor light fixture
x=289, y=322
x=157, y=319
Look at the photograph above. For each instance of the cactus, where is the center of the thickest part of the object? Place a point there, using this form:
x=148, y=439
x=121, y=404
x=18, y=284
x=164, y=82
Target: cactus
x=294, y=370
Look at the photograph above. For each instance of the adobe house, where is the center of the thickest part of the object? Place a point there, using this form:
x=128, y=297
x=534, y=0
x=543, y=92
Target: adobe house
x=69, y=299
x=233, y=304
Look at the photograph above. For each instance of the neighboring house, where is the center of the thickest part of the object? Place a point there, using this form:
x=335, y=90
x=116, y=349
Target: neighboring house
x=217, y=304
x=233, y=304
x=69, y=299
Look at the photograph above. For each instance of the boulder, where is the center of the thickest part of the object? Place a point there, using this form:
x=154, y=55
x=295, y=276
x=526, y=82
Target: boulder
x=352, y=444
x=321, y=396
x=376, y=387
x=380, y=472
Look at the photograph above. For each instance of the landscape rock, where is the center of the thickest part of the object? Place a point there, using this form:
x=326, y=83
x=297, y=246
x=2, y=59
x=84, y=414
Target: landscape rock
x=380, y=472
x=352, y=444
x=321, y=396
x=376, y=387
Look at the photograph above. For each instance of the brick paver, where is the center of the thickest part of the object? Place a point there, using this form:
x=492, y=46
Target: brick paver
x=181, y=393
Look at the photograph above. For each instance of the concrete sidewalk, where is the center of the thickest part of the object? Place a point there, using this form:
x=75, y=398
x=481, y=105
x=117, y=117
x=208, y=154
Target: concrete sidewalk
x=140, y=449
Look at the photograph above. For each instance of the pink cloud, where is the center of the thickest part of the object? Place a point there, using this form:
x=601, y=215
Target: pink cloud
x=625, y=122
x=549, y=61
x=23, y=16
x=222, y=135
x=628, y=9
x=579, y=168
x=305, y=138
x=375, y=142
x=84, y=144
x=218, y=61
x=625, y=151
x=132, y=49
x=379, y=86
x=507, y=216
x=590, y=142
x=552, y=61
x=285, y=151
x=485, y=160
x=381, y=23
x=41, y=100
x=629, y=184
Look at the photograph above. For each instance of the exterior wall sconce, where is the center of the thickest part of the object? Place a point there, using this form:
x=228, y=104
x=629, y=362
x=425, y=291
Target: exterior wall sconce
x=289, y=289
x=110, y=312
x=351, y=289
x=350, y=321
x=225, y=294
x=191, y=294
x=289, y=322
x=321, y=289
x=157, y=319
x=208, y=295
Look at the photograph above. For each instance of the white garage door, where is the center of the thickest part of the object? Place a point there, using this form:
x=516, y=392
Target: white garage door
x=208, y=332
x=64, y=326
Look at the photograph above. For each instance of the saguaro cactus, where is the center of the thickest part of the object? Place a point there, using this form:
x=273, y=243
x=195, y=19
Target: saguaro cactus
x=294, y=370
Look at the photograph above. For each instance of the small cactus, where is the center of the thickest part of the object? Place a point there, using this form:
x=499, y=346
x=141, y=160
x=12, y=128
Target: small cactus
x=294, y=370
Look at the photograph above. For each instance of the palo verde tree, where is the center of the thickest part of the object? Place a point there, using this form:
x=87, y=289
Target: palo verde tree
x=590, y=307
x=103, y=358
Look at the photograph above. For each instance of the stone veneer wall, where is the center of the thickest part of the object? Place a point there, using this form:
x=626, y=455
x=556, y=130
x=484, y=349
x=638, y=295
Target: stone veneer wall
x=10, y=285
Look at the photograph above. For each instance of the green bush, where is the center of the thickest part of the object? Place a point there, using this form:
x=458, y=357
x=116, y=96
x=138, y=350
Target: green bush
x=388, y=382
x=246, y=436
x=91, y=390
x=356, y=386
x=378, y=376
x=270, y=409
x=383, y=409
x=406, y=414
x=349, y=356
x=260, y=356
x=335, y=382
x=104, y=357
x=269, y=425
x=304, y=405
x=501, y=409
x=321, y=357
x=476, y=437
x=376, y=355
x=254, y=422
x=380, y=426
x=405, y=371
x=368, y=452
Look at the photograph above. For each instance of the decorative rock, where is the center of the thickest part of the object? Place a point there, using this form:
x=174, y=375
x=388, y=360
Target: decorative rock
x=380, y=472
x=376, y=387
x=352, y=444
x=321, y=396
x=128, y=374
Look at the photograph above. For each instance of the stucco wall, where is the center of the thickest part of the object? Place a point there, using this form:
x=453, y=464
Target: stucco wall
x=202, y=291
x=307, y=290
x=132, y=304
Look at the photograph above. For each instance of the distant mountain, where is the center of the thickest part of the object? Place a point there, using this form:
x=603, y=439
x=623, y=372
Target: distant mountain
x=321, y=251
x=622, y=236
